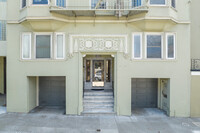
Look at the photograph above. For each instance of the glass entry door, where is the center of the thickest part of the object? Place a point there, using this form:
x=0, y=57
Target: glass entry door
x=98, y=73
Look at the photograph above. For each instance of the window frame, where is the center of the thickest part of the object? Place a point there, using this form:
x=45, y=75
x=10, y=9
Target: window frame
x=40, y=4
x=51, y=41
x=162, y=38
x=157, y=4
x=133, y=45
x=30, y=48
x=166, y=38
x=55, y=43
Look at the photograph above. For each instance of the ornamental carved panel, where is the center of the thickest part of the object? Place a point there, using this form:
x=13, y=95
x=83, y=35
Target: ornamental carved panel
x=98, y=43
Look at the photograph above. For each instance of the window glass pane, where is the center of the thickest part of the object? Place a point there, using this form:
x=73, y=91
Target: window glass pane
x=40, y=1
x=2, y=30
x=60, y=3
x=108, y=71
x=43, y=48
x=26, y=46
x=173, y=3
x=87, y=70
x=154, y=46
x=137, y=46
x=23, y=3
x=157, y=2
x=170, y=40
x=136, y=3
x=102, y=4
x=59, y=46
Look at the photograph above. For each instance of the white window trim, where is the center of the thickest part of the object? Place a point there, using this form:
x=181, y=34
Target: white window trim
x=158, y=4
x=166, y=38
x=40, y=4
x=133, y=45
x=154, y=33
x=22, y=51
x=59, y=33
x=43, y=33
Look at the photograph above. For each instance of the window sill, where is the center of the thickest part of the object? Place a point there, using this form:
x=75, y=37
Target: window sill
x=43, y=60
x=154, y=60
x=22, y=9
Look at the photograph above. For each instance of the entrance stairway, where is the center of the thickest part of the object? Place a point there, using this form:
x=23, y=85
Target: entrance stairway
x=98, y=102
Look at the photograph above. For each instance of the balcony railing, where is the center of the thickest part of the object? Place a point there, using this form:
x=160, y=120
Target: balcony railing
x=99, y=7
x=195, y=65
x=100, y=4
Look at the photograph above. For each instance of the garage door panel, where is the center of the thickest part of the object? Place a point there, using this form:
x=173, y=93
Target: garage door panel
x=52, y=91
x=144, y=93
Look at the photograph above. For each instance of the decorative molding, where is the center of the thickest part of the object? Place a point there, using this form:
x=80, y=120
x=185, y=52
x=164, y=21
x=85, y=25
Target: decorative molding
x=97, y=43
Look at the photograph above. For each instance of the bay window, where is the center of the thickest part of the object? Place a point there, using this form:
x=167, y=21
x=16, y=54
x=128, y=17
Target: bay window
x=23, y=3
x=43, y=46
x=154, y=46
x=26, y=46
x=136, y=3
x=2, y=30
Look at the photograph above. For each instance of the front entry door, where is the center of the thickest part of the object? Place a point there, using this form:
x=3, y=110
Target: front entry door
x=98, y=73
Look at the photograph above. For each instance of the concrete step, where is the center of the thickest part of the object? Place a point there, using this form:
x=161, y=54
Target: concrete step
x=98, y=97
x=98, y=94
x=95, y=101
x=99, y=110
x=98, y=105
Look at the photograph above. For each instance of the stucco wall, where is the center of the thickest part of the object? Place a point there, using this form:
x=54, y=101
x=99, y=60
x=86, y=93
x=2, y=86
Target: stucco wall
x=195, y=98
x=177, y=70
x=195, y=29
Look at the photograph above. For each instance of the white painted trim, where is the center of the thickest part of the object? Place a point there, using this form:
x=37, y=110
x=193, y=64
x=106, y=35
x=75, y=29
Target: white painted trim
x=56, y=34
x=154, y=33
x=133, y=44
x=22, y=51
x=51, y=49
x=166, y=38
x=195, y=73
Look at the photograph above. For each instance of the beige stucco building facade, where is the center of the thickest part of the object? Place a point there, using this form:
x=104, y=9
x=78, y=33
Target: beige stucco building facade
x=102, y=57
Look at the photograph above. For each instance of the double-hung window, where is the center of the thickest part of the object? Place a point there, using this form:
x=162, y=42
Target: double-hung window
x=40, y=1
x=154, y=44
x=60, y=46
x=26, y=45
x=43, y=45
x=170, y=45
x=157, y=2
x=137, y=45
x=2, y=30
x=61, y=3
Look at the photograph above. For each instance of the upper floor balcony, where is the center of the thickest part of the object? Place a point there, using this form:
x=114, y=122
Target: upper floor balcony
x=98, y=7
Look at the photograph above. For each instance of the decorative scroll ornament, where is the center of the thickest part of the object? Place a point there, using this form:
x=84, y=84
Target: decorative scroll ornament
x=98, y=43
